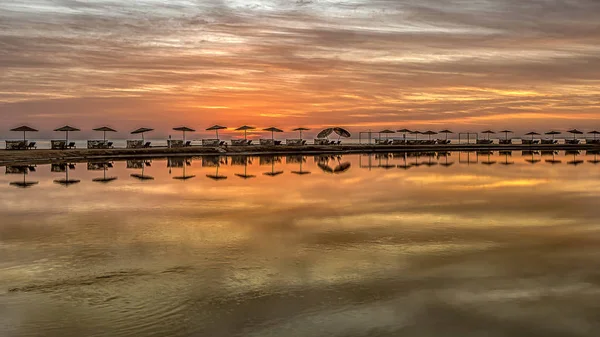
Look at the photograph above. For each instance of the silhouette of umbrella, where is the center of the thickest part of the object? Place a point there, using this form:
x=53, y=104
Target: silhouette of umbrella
x=67, y=182
x=216, y=128
x=416, y=133
x=575, y=132
x=595, y=133
x=216, y=176
x=186, y=163
x=341, y=132
x=506, y=154
x=21, y=170
x=531, y=160
x=429, y=133
x=139, y=164
x=532, y=133
x=300, y=129
x=245, y=128
x=24, y=129
x=488, y=133
x=342, y=167
x=104, y=130
x=575, y=161
x=404, y=132
x=446, y=163
x=387, y=164
x=184, y=129
x=489, y=161
x=104, y=178
x=553, y=133
x=242, y=160
x=446, y=131
x=325, y=133
x=506, y=132
x=273, y=130
x=142, y=131
x=67, y=129
x=386, y=132
x=299, y=160
x=406, y=165
x=273, y=173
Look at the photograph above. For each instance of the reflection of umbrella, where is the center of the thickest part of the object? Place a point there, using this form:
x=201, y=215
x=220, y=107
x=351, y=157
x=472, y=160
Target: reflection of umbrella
x=430, y=133
x=24, y=129
x=446, y=163
x=506, y=162
x=216, y=176
x=104, y=130
x=142, y=131
x=273, y=130
x=22, y=184
x=341, y=168
x=66, y=129
x=245, y=128
x=506, y=132
x=184, y=176
x=532, y=160
x=301, y=129
x=488, y=132
x=325, y=133
x=532, y=133
x=553, y=133
x=489, y=161
x=297, y=159
x=595, y=160
x=216, y=128
x=139, y=164
x=104, y=178
x=406, y=166
x=184, y=129
x=446, y=131
x=386, y=132
x=575, y=161
x=273, y=173
x=67, y=182
x=242, y=160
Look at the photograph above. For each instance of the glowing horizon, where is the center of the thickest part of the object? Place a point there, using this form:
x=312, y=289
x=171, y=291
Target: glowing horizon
x=360, y=64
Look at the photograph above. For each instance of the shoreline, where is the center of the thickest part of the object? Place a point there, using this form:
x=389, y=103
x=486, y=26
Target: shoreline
x=12, y=157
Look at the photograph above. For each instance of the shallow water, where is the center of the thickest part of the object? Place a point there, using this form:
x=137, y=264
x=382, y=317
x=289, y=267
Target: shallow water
x=457, y=244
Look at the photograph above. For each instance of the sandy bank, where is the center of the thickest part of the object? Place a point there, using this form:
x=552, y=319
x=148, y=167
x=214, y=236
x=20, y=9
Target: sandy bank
x=42, y=156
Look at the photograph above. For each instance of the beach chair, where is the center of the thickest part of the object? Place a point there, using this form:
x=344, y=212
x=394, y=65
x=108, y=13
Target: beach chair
x=71, y=145
x=303, y=142
x=147, y=145
x=572, y=141
x=109, y=145
x=221, y=143
x=277, y=142
x=31, y=146
x=505, y=141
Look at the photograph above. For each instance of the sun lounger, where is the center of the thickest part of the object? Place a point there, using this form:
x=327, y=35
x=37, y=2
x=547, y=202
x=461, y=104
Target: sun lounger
x=319, y=141
x=31, y=146
x=239, y=142
x=592, y=141
x=71, y=145
x=16, y=145
x=267, y=142
x=505, y=141
x=527, y=141
x=148, y=144
x=109, y=145
x=484, y=141
x=294, y=142
x=210, y=142
x=572, y=141
x=398, y=142
x=277, y=142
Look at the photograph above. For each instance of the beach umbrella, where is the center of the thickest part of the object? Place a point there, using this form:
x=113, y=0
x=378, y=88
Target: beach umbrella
x=416, y=133
x=595, y=133
x=532, y=133
x=430, y=133
x=404, y=131
x=245, y=128
x=104, y=130
x=216, y=128
x=142, y=131
x=506, y=154
x=341, y=132
x=553, y=133
x=386, y=132
x=184, y=129
x=446, y=131
x=506, y=132
x=575, y=132
x=24, y=129
x=139, y=164
x=595, y=160
x=297, y=160
x=325, y=167
x=575, y=161
x=342, y=167
x=325, y=133
x=67, y=182
x=67, y=129
x=489, y=161
x=22, y=170
x=273, y=130
x=446, y=163
x=216, y=176
x=488, y=132
x=531, y=160
x=300, y=130
x=104, y=179
x=184, y=176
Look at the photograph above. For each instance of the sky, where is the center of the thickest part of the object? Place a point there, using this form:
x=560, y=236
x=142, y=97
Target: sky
x=467, y=65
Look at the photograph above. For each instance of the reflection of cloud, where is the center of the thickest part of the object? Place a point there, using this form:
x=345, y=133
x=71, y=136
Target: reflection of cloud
x=388, y=62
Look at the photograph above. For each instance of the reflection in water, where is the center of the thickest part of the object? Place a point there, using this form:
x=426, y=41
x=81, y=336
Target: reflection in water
x=444, y=245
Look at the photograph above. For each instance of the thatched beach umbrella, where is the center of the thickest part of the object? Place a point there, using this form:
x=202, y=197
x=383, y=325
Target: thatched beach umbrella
x=488, y=133
x=416, y=133
x=104, y=130
x=342, y=167
x=575, y=132
x=216, y=128
x=300, y=130
x=184, y=129
x=67, y=129
x=429, y=133
x=595, y=133
x=404, y=132
x=24, y=129
x=142, y=131
x=386, y=132
x=506, y=132
x=446, y=131
x=532, y=133
x=273, y=130
x=552, y=133
x=245, y=128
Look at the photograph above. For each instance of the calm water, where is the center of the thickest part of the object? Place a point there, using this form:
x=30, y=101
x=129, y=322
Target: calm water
x=459, y=244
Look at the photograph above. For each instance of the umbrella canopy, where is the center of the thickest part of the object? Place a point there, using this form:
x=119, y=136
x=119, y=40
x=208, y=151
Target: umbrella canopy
x=273, y=130
x=300, y=130
x=532, y=133
x=325, y=133
x=342, y=132
x=386, y=132
x=429, y=133
x=488, y=132
x=24, y=129
x=245, y=128
x=216, y=128
x=184, y=129
x=341, y=168
x=446, y=131
x=416, y=133
x=506, y=132
x=575, y=132
x=595, y=133
x=104, y=130
x=142, y=131
x=552, y=133
x=66, y=129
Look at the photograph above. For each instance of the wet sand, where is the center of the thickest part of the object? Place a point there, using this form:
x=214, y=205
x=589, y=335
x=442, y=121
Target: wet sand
x=45, y=156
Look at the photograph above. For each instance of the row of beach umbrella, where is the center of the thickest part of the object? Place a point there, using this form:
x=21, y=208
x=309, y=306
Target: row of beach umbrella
x=430, y=133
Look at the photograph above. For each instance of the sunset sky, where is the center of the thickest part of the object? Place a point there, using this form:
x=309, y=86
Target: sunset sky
x=362, y=64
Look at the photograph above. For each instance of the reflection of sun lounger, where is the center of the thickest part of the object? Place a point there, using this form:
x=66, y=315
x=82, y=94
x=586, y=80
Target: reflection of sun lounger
x=572, y=141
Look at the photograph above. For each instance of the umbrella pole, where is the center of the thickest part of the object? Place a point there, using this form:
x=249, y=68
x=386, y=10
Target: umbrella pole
x=67, y=141
x=273, y=136
x=104, y=135
x=24, y=136
x=245, y=135
x=217, y=131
